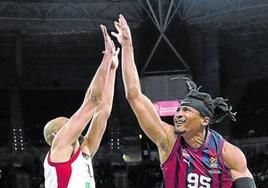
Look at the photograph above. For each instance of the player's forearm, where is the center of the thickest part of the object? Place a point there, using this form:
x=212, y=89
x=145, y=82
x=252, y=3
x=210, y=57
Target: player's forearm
x=95, y=92
x=95, y=133
x=99, y=122
x=129, y=72
x=75, y=126
x=105, y=108
x=109, y=94
x=106, y=62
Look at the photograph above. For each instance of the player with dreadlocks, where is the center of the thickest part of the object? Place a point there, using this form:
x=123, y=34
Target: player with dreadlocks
x=191, y=154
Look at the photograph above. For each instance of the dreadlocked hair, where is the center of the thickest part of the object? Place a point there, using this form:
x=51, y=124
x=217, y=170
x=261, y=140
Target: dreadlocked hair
x=218, y=106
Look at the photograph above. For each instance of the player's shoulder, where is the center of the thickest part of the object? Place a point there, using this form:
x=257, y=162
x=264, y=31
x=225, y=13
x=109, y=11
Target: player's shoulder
x=229, y=147
x=233, y=157
x=170, y=131
x=215, y=134
x=169, y=138
x=167, y=142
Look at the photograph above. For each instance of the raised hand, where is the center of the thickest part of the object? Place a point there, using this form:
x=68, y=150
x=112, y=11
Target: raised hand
x=115, y=60
x=124, y=35
x=108, y=43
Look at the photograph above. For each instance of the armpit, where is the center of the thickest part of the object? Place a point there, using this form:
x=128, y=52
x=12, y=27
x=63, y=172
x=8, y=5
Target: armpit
x=162, y=145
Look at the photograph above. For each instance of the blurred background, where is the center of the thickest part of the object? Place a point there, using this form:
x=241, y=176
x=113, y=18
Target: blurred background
x=50, y=50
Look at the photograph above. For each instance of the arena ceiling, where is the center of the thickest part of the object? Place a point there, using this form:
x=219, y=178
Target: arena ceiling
x=56, y=44
x=44, y=34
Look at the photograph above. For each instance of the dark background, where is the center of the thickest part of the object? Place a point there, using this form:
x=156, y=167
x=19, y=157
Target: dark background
x=50, y=50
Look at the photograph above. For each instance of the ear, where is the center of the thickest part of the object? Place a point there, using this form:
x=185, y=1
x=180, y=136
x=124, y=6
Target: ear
x=53, y=134
x=205, y=121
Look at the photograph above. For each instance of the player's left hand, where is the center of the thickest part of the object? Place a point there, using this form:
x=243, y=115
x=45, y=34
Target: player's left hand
x=108, y=43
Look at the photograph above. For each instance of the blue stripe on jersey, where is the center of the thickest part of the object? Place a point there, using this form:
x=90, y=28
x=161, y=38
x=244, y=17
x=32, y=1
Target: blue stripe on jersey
x=205, y=157
x=214, y=141
x=206, y=162
x=190, y=168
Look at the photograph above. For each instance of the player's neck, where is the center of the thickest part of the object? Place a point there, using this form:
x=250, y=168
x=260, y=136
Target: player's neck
x=195, y=140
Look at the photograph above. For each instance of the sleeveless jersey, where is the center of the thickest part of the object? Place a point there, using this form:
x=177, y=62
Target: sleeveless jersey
x=75, y=173
x=187, y=167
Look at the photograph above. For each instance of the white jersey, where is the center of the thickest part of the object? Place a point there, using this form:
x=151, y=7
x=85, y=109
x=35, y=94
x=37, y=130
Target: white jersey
x=75, y=173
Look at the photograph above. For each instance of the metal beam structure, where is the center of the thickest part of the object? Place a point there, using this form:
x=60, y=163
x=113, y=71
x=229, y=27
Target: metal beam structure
x=56, y=16
x=161, y=21
x=81, y=18
x=53, y=33
x=222, y=14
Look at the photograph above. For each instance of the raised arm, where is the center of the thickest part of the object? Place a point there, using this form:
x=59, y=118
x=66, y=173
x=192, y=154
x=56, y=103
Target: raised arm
x=63, y=143
x=236, y=161
x=98, y=124
x=143, y=108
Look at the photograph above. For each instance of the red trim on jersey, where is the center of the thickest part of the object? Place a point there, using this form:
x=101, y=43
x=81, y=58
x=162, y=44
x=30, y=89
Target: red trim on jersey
x=174, y=149
x=63, y=169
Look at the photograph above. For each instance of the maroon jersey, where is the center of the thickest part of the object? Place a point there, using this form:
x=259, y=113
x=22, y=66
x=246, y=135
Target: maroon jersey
x=187, y=167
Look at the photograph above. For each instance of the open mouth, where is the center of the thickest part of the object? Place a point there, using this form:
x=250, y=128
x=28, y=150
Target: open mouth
x=179, y=122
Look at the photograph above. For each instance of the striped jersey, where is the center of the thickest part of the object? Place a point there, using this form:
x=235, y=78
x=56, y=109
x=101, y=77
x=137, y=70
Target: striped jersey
x=75, y=173
x=187, y=167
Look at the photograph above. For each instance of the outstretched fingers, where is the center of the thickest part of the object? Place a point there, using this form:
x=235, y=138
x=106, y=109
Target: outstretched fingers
x=104, y=32
x=123, y=33
x=122, y=20
x=117, y=26
x=108, y=42
x=105, y=35
x=114, y=34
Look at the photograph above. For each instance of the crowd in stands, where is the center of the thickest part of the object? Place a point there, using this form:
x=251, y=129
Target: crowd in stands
x=258, y=165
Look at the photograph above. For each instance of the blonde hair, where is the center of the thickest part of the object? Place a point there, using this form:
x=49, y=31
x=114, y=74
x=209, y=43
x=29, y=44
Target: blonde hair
x=52, y=126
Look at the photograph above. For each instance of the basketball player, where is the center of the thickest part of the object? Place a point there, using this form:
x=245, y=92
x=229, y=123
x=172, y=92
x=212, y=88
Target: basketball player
x=191, y=154
x=68, y=162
